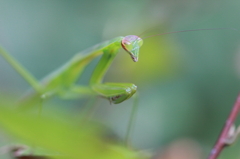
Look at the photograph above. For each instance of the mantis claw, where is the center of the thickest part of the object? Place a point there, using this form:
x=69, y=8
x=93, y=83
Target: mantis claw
x=116, y=92
x=115, y=97
x=129, y=92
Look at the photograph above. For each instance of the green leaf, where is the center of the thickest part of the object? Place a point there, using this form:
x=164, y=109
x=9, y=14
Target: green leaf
x=70, y=140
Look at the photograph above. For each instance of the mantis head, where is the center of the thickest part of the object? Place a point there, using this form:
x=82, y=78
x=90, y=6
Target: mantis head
x=131, y=44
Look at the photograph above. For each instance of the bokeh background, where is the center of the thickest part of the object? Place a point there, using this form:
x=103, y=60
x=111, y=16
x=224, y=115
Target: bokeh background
x=187, y=82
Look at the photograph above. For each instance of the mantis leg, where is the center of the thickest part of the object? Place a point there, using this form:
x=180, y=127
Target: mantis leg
x=115, y=92
x=21, y=70
x=76, y=92
x=132, y=119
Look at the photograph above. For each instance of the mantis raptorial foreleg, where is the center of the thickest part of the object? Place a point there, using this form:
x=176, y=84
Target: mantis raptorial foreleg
x=116, y=92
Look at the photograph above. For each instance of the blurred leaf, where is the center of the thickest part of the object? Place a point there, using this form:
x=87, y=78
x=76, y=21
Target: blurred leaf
x=70, y=140
x=32, y=157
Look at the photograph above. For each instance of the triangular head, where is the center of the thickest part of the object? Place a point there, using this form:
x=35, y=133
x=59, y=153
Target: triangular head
x=131, y=44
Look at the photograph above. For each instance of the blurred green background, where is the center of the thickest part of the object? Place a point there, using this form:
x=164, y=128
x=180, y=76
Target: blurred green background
x=187, y=82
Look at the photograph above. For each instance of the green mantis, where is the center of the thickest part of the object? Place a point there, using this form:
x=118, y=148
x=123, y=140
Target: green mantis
x=62, y=81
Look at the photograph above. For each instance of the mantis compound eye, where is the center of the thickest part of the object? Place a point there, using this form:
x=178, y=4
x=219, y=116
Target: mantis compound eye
x=128, y=45
x=140, y=42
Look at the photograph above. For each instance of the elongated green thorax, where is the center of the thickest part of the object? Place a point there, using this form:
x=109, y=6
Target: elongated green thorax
x=131, y=44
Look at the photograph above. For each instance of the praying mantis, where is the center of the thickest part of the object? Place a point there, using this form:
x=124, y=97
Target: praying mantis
x=62, y=81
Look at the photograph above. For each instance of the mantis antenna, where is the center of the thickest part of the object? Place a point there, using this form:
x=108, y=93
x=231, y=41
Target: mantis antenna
x=190, y=31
